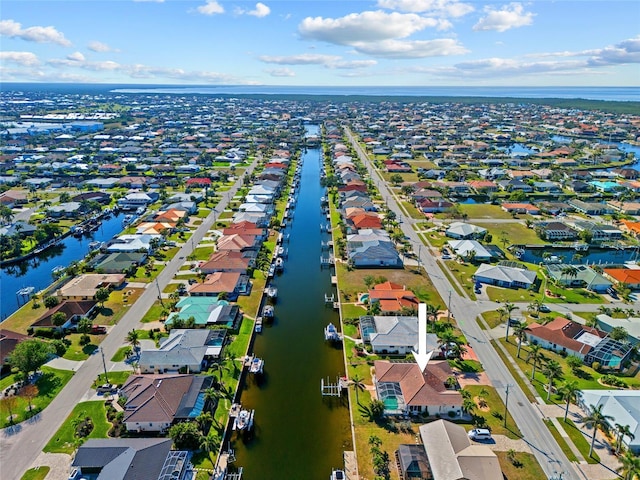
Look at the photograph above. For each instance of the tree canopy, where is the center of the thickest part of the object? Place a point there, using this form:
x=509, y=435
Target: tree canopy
x=30, y=355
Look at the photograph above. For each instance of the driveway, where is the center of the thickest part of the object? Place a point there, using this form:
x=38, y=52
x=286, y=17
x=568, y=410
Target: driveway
x=64, y=364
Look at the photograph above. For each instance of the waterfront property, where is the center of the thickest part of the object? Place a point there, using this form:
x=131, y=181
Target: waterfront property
x=155, y=402
x=396, y=335
x=233, y=284
x=404, y=389
x=184, y=351
x=509, y=276
x=72, y=310
x=580, y=276
x=392, y=298
x=206, y=311
x=129, y=458
x=84, y=287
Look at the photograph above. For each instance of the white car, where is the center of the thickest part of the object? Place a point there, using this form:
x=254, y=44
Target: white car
x=479, y=434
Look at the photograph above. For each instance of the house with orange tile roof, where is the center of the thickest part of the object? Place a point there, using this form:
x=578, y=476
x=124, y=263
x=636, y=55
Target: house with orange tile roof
x=154, y=228
x=233, y=284
x=228, y=261
x=393, y=297
x=238, y=242
x=172, y=215
x=364, y=220
x=627, y=276
x=631, y=227
x=404, y=389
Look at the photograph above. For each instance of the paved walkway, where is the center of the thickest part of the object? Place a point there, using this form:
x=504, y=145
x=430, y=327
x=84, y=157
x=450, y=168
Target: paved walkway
x=59, y=463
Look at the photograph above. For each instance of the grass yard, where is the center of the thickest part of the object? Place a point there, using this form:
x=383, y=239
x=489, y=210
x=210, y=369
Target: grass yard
x=510, y=295
x=484, y=210
x=494, y=416
x=120, y=354
x=524, y=386
x=79, y=352
x=65, y=440
x=560, y=440
x=492, y=318
x=36, y=473
x=580, y=441
x=250, y=304
x=514, y=232
x=201, y=253
x=113, y=309
x=49, y=385
x=524, y=467
x=7, y=380
x=350, y=310
x=154, y=313
x=115, y=378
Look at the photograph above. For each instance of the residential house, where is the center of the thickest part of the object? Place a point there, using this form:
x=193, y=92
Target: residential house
x=206, y=311
x=518, y=207
x=589, y=208
x=65, y=210
x=631, y=324
x=392, y=298
x=233, y=284
x=8, y=341
x=130, y=459
x=630, y=277
x=238, y=242
x=119, y=262
x=85, y=286
x=621, y=405
x=555, y=231
x=470, y=249
x=578, y=276
x=505, y=276
x=450, y=454
x=405, y=389
x=132, y=243
x=229, y=261
x=397, y=335
x=598, y=232
x=184, y=351
x=155, y=402
x=372, y=248
x=133, y=201
x=464, y=230
x=73, y=311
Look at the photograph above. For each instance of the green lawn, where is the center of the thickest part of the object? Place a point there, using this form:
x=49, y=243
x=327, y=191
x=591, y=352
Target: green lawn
x=154, y=313
x=492, y=317
x=509, y=364
x=525, y=467
x=79, y=352
x=7, y=380
x=352, y=311
x=484, y=210
x=120, y=355
x=65, y=440
x=510, y=295
x=579, y=440
x=495, y=414
x=115, y=378
x=560, y=440
x=49, y=385
x=36, y=473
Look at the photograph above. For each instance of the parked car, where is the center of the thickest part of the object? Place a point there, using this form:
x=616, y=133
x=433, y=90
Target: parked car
x=544, y=309
x=98, y=329
x=480, y=434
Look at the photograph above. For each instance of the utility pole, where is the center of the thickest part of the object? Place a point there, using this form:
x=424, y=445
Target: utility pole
x=104, y=364
x=449, y=308
x=506, y=402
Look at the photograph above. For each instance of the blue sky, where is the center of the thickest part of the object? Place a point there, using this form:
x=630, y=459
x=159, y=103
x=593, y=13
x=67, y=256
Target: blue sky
x=329, y=42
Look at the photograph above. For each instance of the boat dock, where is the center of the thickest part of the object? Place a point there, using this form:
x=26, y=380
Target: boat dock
x=329, y=389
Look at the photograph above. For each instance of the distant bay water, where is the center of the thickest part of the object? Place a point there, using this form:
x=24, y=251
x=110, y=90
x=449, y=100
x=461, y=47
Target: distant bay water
x=618, y=94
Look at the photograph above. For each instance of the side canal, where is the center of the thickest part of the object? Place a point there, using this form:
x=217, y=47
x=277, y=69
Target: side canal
x=298, y=433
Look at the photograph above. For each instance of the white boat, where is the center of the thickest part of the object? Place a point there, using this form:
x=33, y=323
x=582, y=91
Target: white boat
x=331, y=333
x=94, y=245
x=272, y=292
x=279, y=263
x=268, y=311
x=57, y=270
x=244, y=420
x=258, y=325
x=257, y=365
x=337, y=475
x=280, y=251
x=272, y=270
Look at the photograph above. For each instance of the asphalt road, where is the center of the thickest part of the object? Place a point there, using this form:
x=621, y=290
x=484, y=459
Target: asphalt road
x=528, y=418
x=21, y=445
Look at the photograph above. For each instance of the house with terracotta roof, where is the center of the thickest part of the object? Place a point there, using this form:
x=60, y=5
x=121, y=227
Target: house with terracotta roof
x=155, y=402
x=233, y=284
x=393, y=298
x=229, y=261
x=171, y=215
x=73, y=310
x=587, y=343
x=238, y=242
x=245, y=228
x=404, y=389
x=363, y=219
x=627, y=276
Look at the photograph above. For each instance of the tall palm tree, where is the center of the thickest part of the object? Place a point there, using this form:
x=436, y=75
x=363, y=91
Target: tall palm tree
x=358, y=385
x=552, y=369
x=535, y=354
x=596, y=419
x=569, y=271
x=210, y=443
x=519, y=331
x=630, y=468
x=133, y=337
x=622, y=431
x=569, y=392
x=508, y=308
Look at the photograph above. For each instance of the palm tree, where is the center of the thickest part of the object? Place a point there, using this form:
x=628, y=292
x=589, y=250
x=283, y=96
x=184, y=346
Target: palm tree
x=133, y=337
x=622, y=431
x=356, y=381
x=569, y=271
x=596, y=419
x=508, y=308
x=519, y=331
x=432, y=313
x=209, y=443
x=552, y=369
x=204, y=419
x=630, y=468
x=569, y=392
x=468, y=405
x=535, y=354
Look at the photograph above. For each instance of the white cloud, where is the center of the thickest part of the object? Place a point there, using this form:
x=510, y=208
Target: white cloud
x=260, y=11
x=27, y=59
x=353, y=64
x=100, y=47
x=281, y=72
x=510, y=16
x=370, y=26
x=76, y=57
x=627, y=51
x=13, y=29
x=212, y=7
x=447, y=8
x=303, y=59
x=412, y=49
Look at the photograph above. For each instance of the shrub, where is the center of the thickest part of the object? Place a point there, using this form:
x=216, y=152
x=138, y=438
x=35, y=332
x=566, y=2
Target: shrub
x=596, y=366
x=43, y=333
x=612, y=380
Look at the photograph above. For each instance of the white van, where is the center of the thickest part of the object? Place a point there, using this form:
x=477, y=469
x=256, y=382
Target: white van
x=479, y=434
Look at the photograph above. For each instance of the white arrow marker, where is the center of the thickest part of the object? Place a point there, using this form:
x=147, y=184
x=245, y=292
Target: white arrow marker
x=422, y=356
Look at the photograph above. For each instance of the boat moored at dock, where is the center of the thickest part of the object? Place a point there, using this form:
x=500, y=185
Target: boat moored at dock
x=331, y=333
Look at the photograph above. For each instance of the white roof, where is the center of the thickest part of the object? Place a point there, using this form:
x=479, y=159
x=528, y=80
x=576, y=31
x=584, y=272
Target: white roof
x=463, y=247
x=622, y=405
x=506, y=274
x=464, y=229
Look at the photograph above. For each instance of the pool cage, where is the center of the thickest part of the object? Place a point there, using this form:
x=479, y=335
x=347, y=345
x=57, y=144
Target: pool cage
x=609, y=353
x=390, y=394
x=367, y=327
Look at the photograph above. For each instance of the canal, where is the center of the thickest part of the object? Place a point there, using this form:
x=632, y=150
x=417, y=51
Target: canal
x=298, y=433
x=37, y=272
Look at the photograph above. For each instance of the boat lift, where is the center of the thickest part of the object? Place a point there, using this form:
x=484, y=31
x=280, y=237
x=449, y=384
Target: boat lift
x=329, y=389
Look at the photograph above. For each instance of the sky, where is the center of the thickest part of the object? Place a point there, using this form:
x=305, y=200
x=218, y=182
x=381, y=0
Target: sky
x=322, y=43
